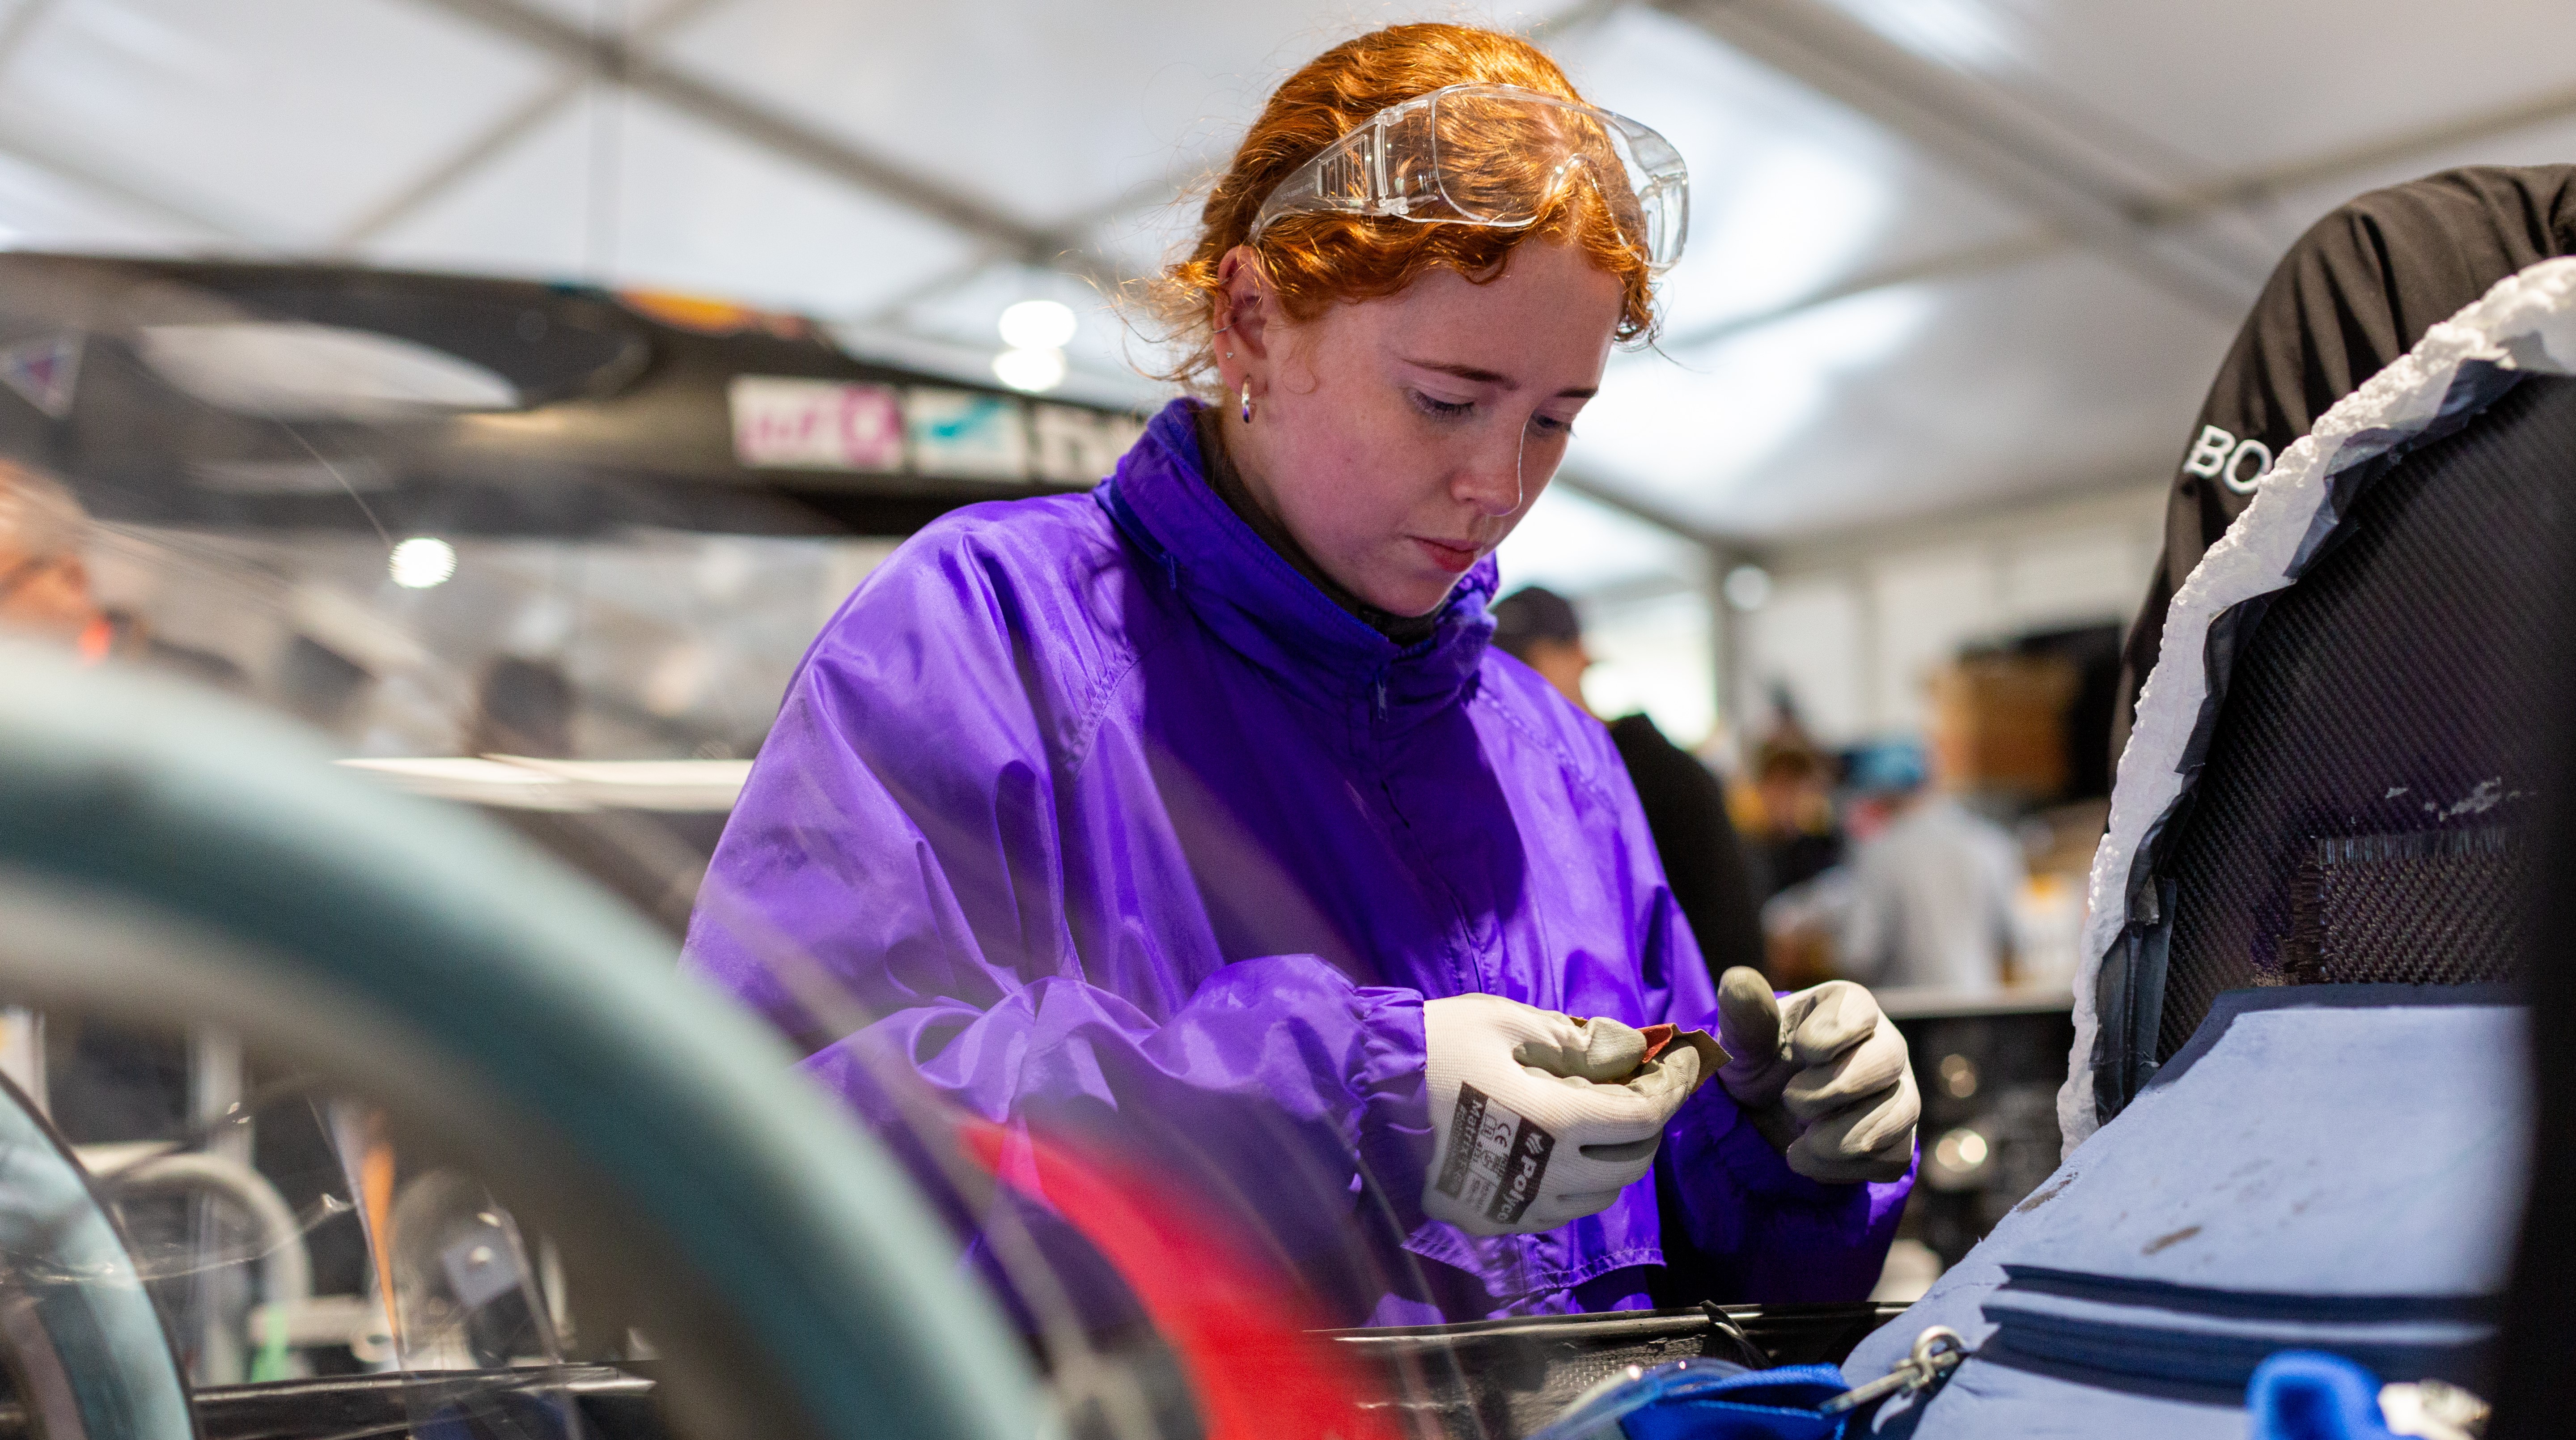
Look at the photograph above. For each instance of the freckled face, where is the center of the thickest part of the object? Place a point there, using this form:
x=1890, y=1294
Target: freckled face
x=1400, y=439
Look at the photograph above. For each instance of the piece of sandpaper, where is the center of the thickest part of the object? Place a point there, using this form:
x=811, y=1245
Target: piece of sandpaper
x=1660, y=1038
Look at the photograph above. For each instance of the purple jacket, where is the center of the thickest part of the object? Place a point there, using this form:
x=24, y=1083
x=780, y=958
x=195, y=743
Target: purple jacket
x=1097, y=815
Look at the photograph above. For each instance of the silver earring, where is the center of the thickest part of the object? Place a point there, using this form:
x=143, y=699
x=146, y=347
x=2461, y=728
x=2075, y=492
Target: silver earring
x=1247, y=401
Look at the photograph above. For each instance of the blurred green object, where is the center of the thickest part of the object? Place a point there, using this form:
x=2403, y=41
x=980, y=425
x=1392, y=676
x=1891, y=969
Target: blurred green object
x=170, y=856
x=271, y=1361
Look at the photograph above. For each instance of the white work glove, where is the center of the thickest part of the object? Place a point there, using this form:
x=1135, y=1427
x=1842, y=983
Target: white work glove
x=1539, y=1119
x=1822, y=1074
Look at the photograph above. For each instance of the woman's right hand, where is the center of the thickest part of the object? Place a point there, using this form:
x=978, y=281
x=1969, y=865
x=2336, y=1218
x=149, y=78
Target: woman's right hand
x=1538, y=1118
x=1823, y=1074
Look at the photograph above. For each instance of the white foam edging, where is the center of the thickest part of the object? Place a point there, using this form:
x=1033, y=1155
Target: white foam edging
x=2536, y=307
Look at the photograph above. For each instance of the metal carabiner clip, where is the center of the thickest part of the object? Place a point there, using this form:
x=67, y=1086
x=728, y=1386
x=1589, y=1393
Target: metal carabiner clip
x=1937, y=1352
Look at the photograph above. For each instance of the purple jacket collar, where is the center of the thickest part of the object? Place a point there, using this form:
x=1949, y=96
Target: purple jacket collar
x=1260, y=607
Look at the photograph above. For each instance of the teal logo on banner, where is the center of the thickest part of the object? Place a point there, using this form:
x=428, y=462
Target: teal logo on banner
x=966, y=433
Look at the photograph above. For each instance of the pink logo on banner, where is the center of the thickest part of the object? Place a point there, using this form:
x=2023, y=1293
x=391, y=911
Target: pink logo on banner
x=794, y=424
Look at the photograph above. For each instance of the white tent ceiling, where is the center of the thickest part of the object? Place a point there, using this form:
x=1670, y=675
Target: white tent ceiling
x=1945, y=252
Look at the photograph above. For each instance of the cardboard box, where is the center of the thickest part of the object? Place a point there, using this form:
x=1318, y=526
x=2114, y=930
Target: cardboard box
x=1999, y=724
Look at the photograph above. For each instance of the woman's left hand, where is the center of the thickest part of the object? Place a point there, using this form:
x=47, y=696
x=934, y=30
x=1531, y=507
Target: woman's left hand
x=1823, y=1073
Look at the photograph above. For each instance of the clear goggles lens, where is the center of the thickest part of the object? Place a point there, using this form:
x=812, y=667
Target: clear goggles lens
x=1496, y=155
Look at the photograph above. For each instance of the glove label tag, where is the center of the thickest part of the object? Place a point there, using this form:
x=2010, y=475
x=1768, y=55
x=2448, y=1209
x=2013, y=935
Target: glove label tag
x=1496, y=1159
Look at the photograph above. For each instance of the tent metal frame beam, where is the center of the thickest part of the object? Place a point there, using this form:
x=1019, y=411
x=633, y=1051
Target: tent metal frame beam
x=21, y=24
x=1948, y=265
x=496, y=139
x=85, y=174
x=1956, y=120
x=2251, y=189
x=2196, y=204
x=1635, y=508
x=1976, y=132
x=625, y=62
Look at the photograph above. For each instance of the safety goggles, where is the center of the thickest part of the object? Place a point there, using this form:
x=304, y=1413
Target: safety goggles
x=1495, y=155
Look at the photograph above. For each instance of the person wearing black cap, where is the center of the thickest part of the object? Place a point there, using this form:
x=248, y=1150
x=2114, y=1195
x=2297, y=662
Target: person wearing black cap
x=1684, y=803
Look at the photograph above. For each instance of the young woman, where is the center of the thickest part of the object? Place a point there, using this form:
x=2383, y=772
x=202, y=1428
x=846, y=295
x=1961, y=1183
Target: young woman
x=1194, y=813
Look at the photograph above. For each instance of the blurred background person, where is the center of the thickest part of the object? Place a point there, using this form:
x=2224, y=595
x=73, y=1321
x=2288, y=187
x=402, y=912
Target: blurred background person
x=1793, y=793
x=1797, y=858
x=48, y=592
x=522, y=707
x=1685, y=802
x=1933, y=883
x=44, y=582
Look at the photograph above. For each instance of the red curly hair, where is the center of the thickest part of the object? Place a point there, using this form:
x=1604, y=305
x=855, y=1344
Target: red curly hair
x=1313, y=259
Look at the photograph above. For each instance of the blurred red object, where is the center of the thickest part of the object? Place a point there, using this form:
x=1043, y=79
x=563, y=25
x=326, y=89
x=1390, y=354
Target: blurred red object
x=1241, y=1331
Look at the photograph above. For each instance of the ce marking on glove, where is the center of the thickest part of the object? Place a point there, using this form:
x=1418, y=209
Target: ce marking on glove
x=1539, y=1118
x=1496, y=1159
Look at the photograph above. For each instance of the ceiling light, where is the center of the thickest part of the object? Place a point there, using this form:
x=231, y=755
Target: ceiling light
x=1035, y=371
x=422, y=561
x=1038, y=325
x=1748, y=587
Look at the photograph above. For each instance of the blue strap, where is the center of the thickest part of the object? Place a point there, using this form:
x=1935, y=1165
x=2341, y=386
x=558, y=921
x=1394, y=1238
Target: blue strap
x=1700, y=1401
x=2309, y=1395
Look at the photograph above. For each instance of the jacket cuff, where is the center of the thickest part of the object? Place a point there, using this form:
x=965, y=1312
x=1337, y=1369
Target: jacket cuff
x=1391, y=1114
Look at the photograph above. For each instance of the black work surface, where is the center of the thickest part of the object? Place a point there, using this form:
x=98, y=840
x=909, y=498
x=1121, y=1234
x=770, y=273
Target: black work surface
x=615, y=1403
x=1503, y=1378
x=1486, y=1379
